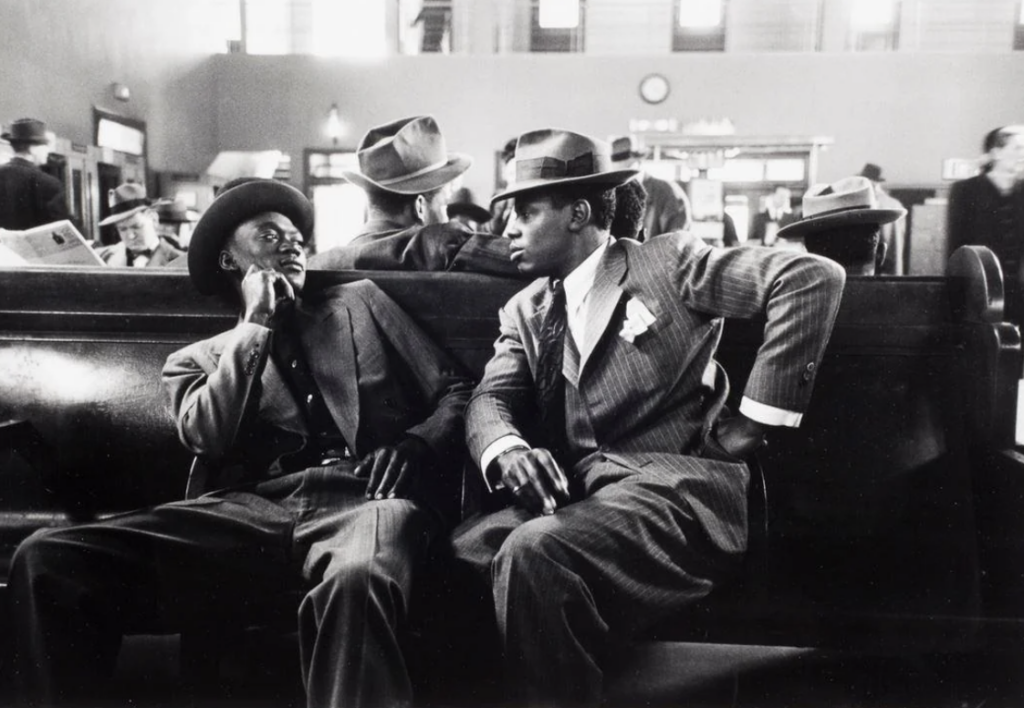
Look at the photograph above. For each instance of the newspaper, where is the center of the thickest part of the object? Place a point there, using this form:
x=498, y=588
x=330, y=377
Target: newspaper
x=59, y=243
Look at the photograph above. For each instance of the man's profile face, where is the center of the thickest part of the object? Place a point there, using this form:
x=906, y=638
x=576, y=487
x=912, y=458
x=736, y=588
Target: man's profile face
x=138, y=231
x=541, y=239
x=269, y=241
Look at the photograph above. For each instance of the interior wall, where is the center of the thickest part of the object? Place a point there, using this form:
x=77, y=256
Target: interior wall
x=60, y=57
x=906, y=112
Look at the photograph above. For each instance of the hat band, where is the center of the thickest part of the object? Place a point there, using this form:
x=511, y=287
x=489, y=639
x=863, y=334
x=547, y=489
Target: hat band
x=122, y=207
x=837, y=210
x=413, y=175
x=553, y=168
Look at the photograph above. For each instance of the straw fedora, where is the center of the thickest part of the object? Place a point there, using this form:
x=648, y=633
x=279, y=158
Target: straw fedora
x=26, y=130
x=127, y=200
x=851, y=200
x=552, y=158
x=232, y=206
x=407, y=156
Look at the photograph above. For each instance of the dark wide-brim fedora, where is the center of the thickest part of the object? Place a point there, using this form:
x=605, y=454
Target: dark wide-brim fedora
x=553, y=158
x=469, y=210
x=406, y=156
x=847, y=202
x=232, y=207
x=26, y=130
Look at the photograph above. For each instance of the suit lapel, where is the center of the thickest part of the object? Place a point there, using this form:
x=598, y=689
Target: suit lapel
x=604, y=299
x=327, y=343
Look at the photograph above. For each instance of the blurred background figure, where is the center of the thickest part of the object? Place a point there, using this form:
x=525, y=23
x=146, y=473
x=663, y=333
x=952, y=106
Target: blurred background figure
x=842, y=221
x=988, y=210
x=176, y=221
x=135, y=217
x=668, y=207
x=28, y=196
x=776, y=213
x=894, y=235
x=464, y=209
x=501, y=212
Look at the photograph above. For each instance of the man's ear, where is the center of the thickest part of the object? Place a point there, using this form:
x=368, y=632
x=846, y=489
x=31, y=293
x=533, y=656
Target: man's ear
x=579, y=215
x=883, y=248
x=227, y=262
x=420, y=206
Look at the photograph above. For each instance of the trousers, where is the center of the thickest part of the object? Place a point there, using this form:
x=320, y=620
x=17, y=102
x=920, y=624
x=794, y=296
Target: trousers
x=628, y=553
x=77, y=590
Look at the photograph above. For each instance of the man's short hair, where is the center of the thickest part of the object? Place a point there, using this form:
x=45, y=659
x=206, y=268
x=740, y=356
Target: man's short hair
x=630, y=207
x=851, y=246
x=394, y=203
x=600, y=197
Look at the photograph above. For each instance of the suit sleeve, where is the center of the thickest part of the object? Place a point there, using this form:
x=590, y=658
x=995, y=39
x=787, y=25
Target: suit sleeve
x=52, y=205
x=799, y=295
x=212, y=396
x=441, y=382
x=485, y=253
x=504, y=394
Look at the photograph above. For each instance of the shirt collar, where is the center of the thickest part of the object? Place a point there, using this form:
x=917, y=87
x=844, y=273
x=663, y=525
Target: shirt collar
x=580, y=281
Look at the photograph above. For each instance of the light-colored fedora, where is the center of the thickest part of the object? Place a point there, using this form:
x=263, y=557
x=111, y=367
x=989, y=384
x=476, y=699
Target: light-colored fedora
x=127, y=200
x=552, y=158
x=851, y=200
x=407, y=156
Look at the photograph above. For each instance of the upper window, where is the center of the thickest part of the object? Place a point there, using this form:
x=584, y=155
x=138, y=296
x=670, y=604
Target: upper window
x=699, y=26
x=557, y=25
x=1018, y=28
x=874, y=25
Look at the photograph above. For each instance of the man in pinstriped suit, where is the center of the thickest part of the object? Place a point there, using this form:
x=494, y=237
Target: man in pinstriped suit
x=634, y=503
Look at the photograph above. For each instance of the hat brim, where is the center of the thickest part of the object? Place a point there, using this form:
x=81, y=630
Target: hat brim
x=31, y=141
x=456, y=165
x=612, y=178
x=473, y=211
x=114, y=218
x=226, y=212
x=849, y=217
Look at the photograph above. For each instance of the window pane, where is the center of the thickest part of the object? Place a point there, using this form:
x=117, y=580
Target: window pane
x=559, y=14
x=268, y=27
x=349, y=28
x=700, y=14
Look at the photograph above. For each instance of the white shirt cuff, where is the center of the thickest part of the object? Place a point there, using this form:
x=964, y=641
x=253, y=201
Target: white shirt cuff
x=769, y=415
x=490, y=454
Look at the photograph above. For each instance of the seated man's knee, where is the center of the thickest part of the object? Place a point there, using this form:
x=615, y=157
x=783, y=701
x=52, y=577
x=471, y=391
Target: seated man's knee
x=530, y=546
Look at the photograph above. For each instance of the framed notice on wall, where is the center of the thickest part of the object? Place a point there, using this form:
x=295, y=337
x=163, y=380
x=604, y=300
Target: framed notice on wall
x=116, y=132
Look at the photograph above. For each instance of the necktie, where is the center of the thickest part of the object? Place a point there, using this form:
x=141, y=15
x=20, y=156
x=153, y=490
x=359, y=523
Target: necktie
x=550, y=381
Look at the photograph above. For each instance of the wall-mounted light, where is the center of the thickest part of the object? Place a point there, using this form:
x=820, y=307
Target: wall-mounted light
x=333, y=127
x=121, y=91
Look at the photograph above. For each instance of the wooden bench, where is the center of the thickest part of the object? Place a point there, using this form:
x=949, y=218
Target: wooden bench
x=872, y=528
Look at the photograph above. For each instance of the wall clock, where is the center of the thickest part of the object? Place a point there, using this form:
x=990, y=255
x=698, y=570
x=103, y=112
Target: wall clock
x=654, y=88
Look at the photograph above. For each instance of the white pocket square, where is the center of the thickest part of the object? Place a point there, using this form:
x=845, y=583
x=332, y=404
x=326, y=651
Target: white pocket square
x=638, y=320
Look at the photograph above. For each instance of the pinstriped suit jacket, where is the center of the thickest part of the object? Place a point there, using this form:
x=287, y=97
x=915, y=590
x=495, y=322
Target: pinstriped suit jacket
x=647, y=399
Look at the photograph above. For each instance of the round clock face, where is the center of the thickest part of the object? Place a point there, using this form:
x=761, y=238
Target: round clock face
x=654, y=88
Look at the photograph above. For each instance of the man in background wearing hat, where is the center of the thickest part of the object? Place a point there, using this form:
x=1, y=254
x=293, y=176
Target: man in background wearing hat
x=668, y=207
x=407, y=172
x=137, y=223
x=843, y=221
x=330, y=419
x=894, y=233
x=601, y=420
x=28, y=196
x=175, y=223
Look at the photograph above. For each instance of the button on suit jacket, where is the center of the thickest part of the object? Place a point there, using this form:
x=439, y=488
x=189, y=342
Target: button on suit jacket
x=648, y=400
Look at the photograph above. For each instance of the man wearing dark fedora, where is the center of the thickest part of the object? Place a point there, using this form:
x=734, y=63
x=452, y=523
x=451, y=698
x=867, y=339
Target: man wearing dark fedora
x=28, y=196
x=599, y=424
x=326, y=420
x=407, y=174
x=893, y=234
x=843, y=221
x=668, y=207
x=138, y=226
